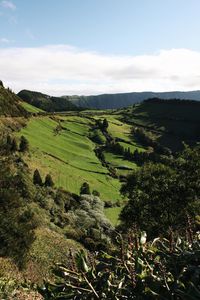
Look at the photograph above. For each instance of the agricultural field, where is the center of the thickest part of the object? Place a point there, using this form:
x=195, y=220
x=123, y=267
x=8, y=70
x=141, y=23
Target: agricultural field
x=30, y=108
x=68, y=156
x=60, y=145
x=122, y=166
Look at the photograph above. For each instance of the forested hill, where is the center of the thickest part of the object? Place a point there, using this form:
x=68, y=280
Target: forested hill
x=10, y=103
x=46, y=102
x=104, y=101
x=113, y=101
x=173, y=121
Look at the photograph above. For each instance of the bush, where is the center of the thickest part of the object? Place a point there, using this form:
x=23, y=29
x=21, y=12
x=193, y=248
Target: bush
x=95, y=193
x=85, y=189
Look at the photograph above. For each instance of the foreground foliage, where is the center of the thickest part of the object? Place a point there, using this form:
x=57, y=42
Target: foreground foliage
x=163, y=196
x=162, y=269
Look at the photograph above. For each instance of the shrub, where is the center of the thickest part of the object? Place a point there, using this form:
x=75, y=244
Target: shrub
x=85, y=189
x=95, y=193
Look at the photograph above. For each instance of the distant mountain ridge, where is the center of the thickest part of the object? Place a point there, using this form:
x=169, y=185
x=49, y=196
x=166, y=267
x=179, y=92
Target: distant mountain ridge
x=114, y=101
x=104, y=101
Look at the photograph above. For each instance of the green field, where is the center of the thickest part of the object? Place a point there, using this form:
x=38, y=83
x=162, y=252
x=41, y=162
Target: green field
x=68, y=156
x=122, y=166
x=113, y=215
x=30, y=108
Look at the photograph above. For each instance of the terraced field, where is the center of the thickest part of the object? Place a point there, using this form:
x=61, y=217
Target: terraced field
x=68, y=155
x=60, y=145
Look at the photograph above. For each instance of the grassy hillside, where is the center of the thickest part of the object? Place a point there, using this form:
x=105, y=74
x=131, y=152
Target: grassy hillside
x=68, y=155
x=172, y=121
x=10, y=103
x=30, y=108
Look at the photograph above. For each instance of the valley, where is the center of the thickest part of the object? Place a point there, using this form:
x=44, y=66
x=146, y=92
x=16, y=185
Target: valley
x=69, y=154
x=73, y=174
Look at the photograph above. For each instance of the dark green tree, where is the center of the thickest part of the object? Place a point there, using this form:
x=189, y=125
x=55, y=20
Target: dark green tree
x=48, y=181
x=24, y=144
x=85, y=189
x=163, y=196
x=37, y=178
x=105, y=124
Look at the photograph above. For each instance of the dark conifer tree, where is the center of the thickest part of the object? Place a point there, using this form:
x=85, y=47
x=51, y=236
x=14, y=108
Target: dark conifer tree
x=37, y=178
x=24, y=144
x=48, y=181
x=105, y=124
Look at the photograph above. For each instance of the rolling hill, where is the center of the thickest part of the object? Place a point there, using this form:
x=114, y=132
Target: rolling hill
x=104, y=101
x=46, y=102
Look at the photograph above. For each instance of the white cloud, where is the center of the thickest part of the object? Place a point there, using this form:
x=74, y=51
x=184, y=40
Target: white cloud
x=61, y=69
x=8, y=4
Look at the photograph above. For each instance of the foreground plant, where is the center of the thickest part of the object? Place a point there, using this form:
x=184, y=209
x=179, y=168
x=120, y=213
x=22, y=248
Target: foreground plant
x=162, y=269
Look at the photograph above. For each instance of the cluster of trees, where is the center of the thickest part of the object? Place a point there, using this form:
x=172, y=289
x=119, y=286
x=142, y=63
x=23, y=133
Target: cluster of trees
x=172, y=101
x=37, y=179
x=148, y=141
x=17, y=220
x=11, y=144
x=163, y=196
x=85, y=190
x=139, y=157
x=103, y=125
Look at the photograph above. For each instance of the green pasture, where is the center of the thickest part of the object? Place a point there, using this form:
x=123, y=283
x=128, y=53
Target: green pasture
x=30, y=108
x=122, y=166
x=112, y=214
x=68, y=156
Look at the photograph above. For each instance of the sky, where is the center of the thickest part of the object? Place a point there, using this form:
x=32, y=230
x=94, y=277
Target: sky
x=67, y=47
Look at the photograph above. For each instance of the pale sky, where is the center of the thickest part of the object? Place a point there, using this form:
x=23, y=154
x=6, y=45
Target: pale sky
x=66, y=47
